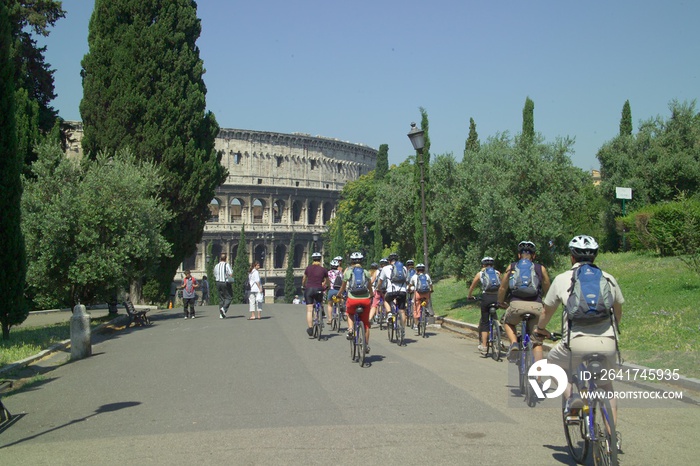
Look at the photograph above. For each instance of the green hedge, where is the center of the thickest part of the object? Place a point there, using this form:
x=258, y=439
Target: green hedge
x=669, y=229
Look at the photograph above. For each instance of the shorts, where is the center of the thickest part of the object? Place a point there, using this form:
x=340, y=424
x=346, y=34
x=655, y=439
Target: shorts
x=582, y=345
x=352, y=304
x=398, y=296
x=331, y=293
x=516, y=310
x=377, y=298
x=486, y=300
x=312, y=295
x=416, y=304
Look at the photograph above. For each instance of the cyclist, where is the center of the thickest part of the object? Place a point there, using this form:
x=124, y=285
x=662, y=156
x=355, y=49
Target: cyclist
x=357, y=296
x=410, y=267
x=581, y=338
x=520, y=305
x=422, y=287
x=335, y=277
x=489, y=295
x=314, y=281
x=378, y=294
x=395, y=292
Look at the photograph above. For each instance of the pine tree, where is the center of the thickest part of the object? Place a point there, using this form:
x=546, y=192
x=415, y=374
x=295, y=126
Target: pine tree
x=528, y=122
x=626, y=120
x=240, y=270
x=143, y=88
x=382, y=162
x=472, y=144
x=14, y=309
x=290, y=288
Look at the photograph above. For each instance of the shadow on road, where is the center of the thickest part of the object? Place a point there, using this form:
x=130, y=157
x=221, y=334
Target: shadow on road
x=108, y=408
x=560, y=454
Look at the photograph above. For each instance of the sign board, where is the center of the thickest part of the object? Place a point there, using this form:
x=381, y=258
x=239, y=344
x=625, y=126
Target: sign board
x=623, y=193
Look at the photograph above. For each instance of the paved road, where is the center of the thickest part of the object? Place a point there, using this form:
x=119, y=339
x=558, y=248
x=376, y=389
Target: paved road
x=233, y=391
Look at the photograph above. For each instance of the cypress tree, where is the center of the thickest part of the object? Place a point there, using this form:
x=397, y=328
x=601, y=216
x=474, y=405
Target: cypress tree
x=626, y=120
x=382, y=162
x=12, y=253
x=213, y=290
x=240, y=270
x=528, y=121
x=472, y=144
x=143, y=88
x=418, y=251
x=378, y=240
x=289, y=287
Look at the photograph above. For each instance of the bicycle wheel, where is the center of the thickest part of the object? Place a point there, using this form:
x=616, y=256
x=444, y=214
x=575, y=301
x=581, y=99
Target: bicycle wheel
x=521, y=370
x=495, y=341
x=361, y=343
x=575, y=431
x=390, y=328
x=423, y=324
x=353, y=348
x=530, y=397
x=400, y=331
x=409, y=314
x=605, y=445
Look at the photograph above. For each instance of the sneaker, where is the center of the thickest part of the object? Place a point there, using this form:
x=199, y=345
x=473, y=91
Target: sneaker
x=192, y=316
x=619, y=441
x=573, y=405
x=222, y=314
x=367, y=349
x=185, y=317
x=415, y=327
x=481, y=349
x=310, y=331
x=513, y=352
x=349, y=335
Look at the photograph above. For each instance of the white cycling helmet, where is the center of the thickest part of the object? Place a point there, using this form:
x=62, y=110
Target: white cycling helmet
x=527, y=246
x=583, y=247
x=316, y=256
x=487, y=261
x=338, y=258
x=420, y=267
x=335, y=263
x=356, y=257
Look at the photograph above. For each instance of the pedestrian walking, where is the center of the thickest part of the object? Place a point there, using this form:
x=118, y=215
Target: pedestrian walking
x=204, y=284
x=255, y=296
x=189, y=297
x=223, y=277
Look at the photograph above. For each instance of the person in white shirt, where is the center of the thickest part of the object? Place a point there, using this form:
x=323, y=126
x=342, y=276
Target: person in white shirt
x=394, y=291
x=222, y=273
x=255, y=297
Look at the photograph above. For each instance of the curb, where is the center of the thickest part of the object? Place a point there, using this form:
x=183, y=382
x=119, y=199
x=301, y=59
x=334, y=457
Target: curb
x=470, y=330
x=54, y=348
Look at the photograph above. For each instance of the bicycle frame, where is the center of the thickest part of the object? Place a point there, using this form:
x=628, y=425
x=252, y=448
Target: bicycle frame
x=359, y=326
x=318, y=319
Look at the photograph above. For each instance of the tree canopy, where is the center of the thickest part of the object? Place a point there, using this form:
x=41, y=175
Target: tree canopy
x=143, y=88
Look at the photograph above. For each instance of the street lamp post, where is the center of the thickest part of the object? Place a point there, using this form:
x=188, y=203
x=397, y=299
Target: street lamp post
x=315, y=238
x=417, y=137
x=264, y=255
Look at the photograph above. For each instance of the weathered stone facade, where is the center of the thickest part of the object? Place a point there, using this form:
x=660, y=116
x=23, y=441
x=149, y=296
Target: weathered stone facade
x=278, y=184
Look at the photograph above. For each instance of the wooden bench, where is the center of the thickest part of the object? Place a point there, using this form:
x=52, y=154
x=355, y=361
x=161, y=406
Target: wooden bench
x=5, y=415
x=136, y=316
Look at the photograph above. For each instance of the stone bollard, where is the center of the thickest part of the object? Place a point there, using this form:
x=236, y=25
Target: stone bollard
x=269, y=290
x=80, y=341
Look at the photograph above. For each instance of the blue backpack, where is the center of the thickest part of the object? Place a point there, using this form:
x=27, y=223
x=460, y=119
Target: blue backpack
x=358, y=281
x=490, y=281
x=523, y=281
x=398, y=274
x=422, y=285
x=591, y=298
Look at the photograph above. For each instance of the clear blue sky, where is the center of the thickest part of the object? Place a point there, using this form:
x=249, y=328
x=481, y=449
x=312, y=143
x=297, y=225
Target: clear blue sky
x=359, y=71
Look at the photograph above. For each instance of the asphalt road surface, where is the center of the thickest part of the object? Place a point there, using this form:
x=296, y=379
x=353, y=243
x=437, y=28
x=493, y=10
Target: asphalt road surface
x=233, y=391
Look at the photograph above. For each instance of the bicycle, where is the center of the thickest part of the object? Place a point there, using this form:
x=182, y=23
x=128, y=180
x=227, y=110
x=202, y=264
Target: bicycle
x=423, y=318
x=525, y=361
x=336, y=314
x=358, y=342
x=380, y=316
x=593, y=424
x=409, y=312
x=395, y=328
x=318, y=319
x=493, y=344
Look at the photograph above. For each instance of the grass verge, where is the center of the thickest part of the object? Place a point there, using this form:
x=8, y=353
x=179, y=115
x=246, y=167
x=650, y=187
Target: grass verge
x=26, y=342
x=660, y=326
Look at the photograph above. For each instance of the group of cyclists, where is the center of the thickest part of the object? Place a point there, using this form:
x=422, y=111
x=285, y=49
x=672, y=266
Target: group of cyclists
x=384, y=284
x=581, y=337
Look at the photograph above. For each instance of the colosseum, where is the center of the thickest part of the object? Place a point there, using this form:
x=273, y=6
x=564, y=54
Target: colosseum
x=278, y=185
